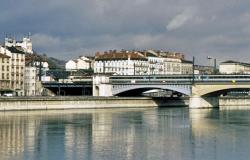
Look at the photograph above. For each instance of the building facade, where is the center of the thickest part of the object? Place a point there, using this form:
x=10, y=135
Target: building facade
x=148, y=62
x=16, y=68
x=30, y=81
x=80, y=63
x=5, y=81
x=121, y=63
x=233, y=67
x=187, y=67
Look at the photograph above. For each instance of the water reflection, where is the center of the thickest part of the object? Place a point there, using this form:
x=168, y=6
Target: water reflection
x=173, y=133
x=220, y=134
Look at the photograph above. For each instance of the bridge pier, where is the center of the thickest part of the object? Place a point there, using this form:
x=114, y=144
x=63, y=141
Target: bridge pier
x=203, y=102
x=101, y=86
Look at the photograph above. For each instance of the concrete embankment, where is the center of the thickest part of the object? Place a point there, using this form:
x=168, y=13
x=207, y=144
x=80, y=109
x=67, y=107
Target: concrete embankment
x=239, y=102
x=64, y=102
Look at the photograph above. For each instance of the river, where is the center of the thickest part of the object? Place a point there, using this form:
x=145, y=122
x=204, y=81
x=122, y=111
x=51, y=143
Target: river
x=127, y=134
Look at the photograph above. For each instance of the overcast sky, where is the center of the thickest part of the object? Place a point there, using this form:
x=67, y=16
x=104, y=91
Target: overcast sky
x=66, y=29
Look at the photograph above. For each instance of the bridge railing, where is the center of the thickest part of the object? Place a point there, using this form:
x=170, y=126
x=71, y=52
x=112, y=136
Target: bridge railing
x=183, y=79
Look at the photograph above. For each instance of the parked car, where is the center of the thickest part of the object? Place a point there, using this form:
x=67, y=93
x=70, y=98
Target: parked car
x=8, y=94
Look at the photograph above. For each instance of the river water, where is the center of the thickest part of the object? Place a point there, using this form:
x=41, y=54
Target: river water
x=126, y=134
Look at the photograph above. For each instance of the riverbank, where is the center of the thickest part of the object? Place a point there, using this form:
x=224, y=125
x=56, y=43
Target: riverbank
x=86, y=102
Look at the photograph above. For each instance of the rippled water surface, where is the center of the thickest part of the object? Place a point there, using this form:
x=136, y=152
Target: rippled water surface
x=133, y=134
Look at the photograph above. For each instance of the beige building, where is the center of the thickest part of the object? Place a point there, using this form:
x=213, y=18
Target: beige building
x=16, y=69
x=5, y=86
x=233, y=67
x=186, y=67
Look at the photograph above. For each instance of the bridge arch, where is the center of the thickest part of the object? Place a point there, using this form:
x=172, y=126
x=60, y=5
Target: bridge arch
x=203, y=90
x=184, y=89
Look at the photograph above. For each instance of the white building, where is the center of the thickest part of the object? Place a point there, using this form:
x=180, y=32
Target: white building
x=233, y=67
x=121, y=63
x=167, y=63
x=30, y=81
x=25, y=44
x=80, y=63
x=148, y=62
x=156, y=62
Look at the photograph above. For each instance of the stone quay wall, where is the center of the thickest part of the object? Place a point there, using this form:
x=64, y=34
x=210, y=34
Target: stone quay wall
x=70, y=102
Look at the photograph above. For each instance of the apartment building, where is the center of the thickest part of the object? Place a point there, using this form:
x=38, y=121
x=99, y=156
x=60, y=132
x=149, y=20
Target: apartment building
x=147, y=62
x=121, y=63
x=16, y=69
x=233, y=67
x=5, y=80
x=187, y=67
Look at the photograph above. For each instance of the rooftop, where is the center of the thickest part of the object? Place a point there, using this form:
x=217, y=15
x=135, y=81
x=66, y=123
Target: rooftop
x=121, y=55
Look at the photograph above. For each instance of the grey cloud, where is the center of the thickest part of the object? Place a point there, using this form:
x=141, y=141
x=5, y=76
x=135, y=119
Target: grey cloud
x=67, y=29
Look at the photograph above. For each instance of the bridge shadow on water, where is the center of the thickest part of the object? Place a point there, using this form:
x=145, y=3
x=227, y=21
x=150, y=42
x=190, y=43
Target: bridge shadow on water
x=171, y=101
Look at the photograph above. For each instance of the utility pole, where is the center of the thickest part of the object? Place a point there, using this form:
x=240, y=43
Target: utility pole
x=193, y=70
x=134, y=68
x=104, y=67
x=215, y=68
x=40, y=69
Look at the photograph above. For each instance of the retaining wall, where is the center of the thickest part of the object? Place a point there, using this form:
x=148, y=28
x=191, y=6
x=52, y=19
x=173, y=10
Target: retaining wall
x=63, y=102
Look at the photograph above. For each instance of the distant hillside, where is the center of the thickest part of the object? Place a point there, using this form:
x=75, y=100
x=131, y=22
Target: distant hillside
x=56, y=63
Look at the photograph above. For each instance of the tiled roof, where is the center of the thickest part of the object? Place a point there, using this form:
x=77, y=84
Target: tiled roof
x=134, y=55
x=124, y=55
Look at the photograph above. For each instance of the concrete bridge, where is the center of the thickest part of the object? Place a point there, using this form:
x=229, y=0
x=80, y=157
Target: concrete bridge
x=203, y=90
